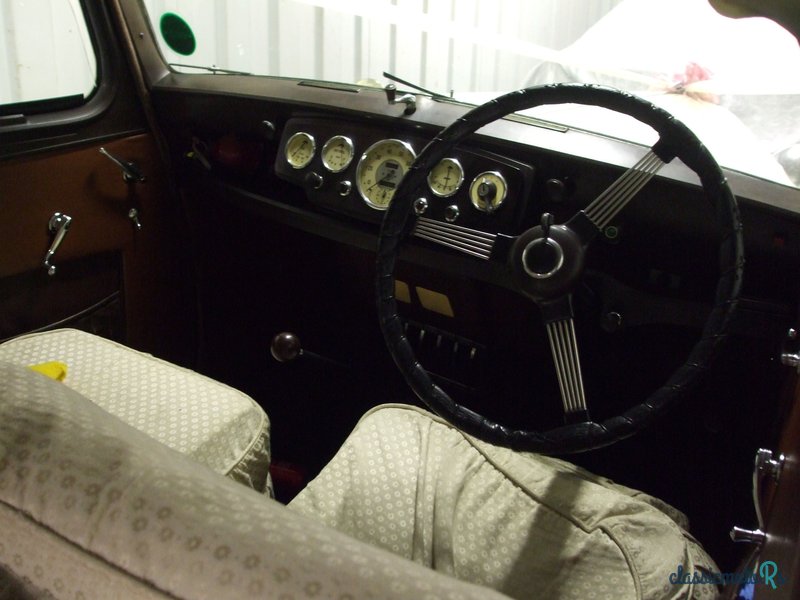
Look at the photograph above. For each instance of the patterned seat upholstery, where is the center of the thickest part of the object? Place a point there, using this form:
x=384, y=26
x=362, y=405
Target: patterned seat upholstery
x=212, y=423
x=92, y=508
x=526, y=525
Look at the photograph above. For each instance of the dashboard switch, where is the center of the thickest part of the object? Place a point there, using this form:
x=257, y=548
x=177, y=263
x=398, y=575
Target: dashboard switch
x=314, y=180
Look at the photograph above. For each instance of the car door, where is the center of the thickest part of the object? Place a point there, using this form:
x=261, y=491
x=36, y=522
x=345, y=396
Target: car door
x=87, y=224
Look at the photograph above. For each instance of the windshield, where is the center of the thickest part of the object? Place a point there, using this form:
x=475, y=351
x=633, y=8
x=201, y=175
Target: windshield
x=735, y=82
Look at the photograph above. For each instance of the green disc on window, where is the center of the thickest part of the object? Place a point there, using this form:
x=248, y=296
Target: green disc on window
x=177, y=33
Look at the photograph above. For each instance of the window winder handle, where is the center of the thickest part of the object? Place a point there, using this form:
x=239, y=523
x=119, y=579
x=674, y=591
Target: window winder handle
x=58, y=225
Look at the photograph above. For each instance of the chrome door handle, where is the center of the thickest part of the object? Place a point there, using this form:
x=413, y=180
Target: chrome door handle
x=58, y=225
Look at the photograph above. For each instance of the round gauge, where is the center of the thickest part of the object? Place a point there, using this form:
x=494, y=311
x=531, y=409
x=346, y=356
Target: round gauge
x=380, y=170
x=446, y=177
x=488, y=191
x=337, y=153
x=300, y=150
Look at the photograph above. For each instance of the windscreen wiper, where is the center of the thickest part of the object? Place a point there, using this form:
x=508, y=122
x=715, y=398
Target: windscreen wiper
x=213, y=70
x=415, y=86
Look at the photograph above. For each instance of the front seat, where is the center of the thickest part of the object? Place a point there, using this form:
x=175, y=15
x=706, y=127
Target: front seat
x=91, y=507
x=527, y=525
x=90, y=504
x=212, y=423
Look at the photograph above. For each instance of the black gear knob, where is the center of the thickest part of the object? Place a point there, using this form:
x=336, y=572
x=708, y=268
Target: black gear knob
x=285, y=347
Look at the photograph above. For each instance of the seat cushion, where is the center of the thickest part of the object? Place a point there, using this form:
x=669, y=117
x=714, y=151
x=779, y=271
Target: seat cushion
x=212, y=423
x=526, y=525
x=93, y=508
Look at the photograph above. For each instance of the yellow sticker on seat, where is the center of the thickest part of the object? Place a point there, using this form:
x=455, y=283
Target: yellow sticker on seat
x=52, y=369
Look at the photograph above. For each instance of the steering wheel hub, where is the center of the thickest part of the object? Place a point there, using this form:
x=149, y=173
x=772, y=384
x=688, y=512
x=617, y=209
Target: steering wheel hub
x=542, y=258
x=547, y=265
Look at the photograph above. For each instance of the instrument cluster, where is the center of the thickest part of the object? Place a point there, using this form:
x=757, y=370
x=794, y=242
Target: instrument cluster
x=357, y=170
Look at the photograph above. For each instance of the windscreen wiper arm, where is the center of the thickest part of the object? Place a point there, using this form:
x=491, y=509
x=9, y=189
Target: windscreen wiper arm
x=414, y=86
x=214, y=70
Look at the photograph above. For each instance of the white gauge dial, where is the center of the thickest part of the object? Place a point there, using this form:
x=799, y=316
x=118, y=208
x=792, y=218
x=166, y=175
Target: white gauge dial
x=380, y=170
x=337, y=153
x=445, y=178
x=488, y=190
x=300, y=149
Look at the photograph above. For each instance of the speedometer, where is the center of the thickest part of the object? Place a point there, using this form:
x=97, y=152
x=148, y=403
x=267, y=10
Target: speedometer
x=380, y=170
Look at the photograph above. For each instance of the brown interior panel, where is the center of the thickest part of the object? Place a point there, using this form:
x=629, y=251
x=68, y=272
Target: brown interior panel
x=33, y=300
x=82, y=184
x=89, y=187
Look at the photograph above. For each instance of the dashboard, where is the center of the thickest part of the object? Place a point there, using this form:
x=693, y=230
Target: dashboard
x=326, y=161
x=352, y=169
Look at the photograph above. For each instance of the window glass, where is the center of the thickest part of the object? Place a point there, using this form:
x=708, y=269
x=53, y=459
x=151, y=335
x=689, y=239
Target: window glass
x=735, y=82
x=45, y=51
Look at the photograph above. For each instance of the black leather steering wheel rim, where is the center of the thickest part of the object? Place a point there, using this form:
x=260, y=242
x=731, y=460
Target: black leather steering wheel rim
x=675, y=140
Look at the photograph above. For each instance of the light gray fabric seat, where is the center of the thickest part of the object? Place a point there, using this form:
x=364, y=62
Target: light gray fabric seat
x=92, y=508
x=526, y=525
x=212, y=423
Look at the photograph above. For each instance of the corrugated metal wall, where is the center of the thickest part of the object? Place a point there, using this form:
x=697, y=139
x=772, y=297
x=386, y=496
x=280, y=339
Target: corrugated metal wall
x=45, y=50
x=466, y=45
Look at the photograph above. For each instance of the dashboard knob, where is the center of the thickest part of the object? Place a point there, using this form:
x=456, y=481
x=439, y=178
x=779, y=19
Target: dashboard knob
x=314, y=180
x=285, y=347
x=344, y=187
x=268, y=129
x=451, y=213
x=556, y=190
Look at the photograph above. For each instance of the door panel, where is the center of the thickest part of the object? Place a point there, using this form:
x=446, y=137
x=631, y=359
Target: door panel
x=82, y=184
x=127, y=284
x=102, y=256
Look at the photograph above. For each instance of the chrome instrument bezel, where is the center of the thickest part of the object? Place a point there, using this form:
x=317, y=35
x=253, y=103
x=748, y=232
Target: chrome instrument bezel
x=311, y=156
x=360, y=168
x=460, y=168
x=348, y=144
x=476, y=181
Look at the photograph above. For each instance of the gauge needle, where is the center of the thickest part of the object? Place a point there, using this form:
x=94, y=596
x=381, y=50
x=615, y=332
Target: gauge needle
x=381, y=183
x=303, y=145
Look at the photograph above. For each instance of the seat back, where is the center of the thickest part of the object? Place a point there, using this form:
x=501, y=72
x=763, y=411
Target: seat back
x=91, y=507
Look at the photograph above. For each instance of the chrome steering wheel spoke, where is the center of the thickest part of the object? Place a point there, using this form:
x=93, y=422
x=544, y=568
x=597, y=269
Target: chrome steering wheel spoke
x=614, y=198
x=564, y=348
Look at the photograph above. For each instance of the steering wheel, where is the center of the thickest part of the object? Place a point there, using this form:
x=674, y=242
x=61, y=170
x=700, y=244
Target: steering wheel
x=546, y=263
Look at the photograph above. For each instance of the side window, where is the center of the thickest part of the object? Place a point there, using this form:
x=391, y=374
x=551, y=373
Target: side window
x=46, y=55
